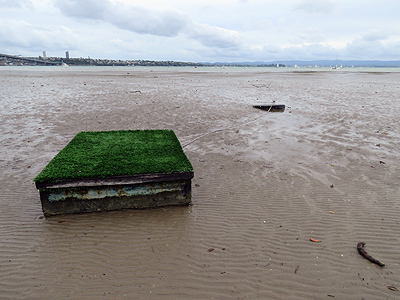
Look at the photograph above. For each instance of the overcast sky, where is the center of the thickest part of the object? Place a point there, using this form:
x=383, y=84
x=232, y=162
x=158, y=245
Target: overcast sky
x=203, y=30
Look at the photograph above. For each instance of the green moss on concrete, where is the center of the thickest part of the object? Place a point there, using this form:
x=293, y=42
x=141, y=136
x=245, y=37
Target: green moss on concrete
x=116, y=153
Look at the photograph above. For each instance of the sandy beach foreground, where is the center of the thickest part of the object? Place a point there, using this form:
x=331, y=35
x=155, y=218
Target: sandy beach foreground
x=327, y=169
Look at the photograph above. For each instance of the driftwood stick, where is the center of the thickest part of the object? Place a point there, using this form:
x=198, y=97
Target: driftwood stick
x=361, y=250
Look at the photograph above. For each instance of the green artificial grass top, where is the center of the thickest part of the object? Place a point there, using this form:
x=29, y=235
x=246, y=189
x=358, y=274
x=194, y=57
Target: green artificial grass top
x=100, y=154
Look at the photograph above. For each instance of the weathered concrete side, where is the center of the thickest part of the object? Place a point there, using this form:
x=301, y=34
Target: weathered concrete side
x=81, y=199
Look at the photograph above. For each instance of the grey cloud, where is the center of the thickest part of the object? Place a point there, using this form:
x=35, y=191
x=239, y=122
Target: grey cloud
x=143, y=20
x=309, y=36
x=85, y=9
x=370, y=45
x=21, y=34
x=315, y=6
x=147, y=21
x=376, y=36
x=306, y=52
x=364, y=49
x=15, y=3
x=128, y=17
x=212, y=36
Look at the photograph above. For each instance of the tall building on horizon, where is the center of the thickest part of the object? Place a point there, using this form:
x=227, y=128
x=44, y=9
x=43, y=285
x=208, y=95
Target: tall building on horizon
x=44, y=54
x=67, y=54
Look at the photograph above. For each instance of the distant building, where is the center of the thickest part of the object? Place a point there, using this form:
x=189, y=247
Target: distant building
x=44, y=55
x=67, y=54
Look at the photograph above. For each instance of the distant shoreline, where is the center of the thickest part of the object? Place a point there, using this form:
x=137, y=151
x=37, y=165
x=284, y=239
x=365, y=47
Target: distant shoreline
x=6, y=59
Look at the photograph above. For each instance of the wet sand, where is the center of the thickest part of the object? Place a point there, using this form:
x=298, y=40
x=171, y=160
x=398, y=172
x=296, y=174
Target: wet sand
x=327, y=168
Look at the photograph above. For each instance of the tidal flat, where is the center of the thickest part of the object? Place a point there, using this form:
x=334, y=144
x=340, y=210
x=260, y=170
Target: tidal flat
x=266, y=185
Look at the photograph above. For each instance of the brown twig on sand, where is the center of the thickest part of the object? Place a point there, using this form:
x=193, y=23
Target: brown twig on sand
x=361, y=250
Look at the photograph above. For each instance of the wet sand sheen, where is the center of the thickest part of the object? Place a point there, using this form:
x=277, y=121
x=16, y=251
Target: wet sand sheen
x=264, y=185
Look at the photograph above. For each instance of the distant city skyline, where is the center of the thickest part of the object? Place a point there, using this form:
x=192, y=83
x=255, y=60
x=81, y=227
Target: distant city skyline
x=202, y=30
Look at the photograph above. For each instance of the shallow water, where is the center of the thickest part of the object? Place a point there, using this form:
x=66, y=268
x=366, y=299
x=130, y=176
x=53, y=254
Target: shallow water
x=265, y=183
